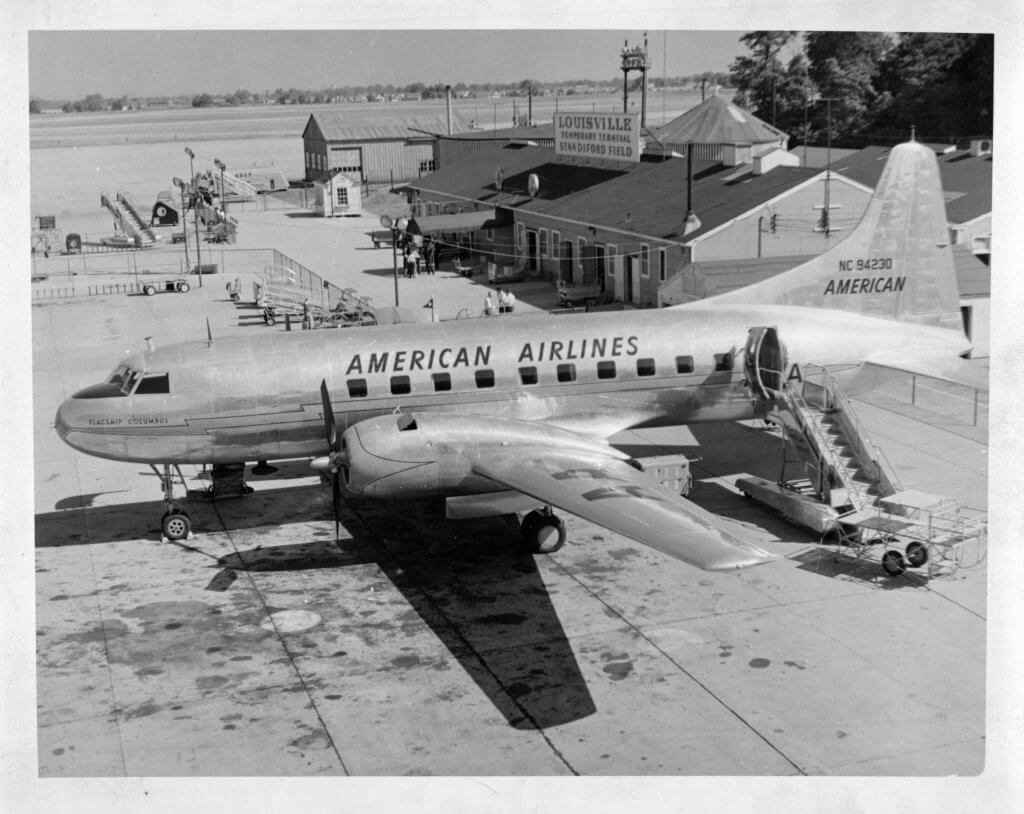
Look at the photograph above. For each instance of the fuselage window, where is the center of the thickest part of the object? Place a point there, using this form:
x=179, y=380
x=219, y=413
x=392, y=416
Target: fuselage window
x=606, y=370
x=528, y=375
x=684, y=364
x=485, y=378
x=400, y=385
x=442, y=381
x=356, y=388
x=645, y=367
x=723, y=362
x=567, y=373
x=154, y=383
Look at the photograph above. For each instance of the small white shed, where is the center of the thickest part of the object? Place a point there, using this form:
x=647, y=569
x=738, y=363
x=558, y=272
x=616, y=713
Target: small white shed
x=336, y=194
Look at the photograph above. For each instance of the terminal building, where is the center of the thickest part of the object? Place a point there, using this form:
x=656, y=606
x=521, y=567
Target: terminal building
x=623, y=225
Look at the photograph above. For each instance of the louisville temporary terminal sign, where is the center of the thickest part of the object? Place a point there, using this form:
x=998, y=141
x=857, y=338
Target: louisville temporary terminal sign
x=598, y=135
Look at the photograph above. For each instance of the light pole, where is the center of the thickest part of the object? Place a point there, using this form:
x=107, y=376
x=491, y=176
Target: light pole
x=192, y=196
x=223, y=194
x=396, y=227
x=191, y=165
x=184, y=223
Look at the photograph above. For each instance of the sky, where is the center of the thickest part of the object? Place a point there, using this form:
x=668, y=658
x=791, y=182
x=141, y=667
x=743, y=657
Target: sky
x=154, y=63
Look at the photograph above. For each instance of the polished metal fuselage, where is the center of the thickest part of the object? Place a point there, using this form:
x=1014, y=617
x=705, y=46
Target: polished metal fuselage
x=257, y=398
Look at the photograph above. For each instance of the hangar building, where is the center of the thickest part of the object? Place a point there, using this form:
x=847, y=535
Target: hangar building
x=388, y=148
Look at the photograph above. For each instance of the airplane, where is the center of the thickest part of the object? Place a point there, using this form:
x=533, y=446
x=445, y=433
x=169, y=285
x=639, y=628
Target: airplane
x=509, y=415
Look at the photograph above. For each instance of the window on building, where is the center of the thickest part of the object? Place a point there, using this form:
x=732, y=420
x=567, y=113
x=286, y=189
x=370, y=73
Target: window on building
x=341, y=196
x=606, y=370
x=356, y=388
x=543, y=242
x=662, y=265
x=528, y=375
x=723, y=362
x=442, y=382
x=645, y=367
x=485, y=378
x=567, y=373
x=427, y=166
x=613, y=254
x=684, y=364
x=556, y=240
x=581, y=243
x=645, y=260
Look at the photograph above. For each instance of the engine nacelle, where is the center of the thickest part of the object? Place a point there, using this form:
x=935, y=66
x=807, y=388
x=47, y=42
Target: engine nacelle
x=413, y=455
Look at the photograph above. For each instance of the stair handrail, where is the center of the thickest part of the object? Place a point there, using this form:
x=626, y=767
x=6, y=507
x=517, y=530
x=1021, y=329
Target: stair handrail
x=826, y=448
x=837, y=394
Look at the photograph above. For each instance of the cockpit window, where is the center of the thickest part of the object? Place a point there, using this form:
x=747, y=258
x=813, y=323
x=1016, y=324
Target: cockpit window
x=120, y=377
x=154, y=383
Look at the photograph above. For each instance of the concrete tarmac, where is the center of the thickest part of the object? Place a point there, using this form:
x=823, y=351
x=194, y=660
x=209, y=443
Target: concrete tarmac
x=419, y=646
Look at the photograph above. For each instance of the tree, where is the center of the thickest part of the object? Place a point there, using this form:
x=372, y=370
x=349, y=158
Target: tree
x=202, y=100
x=93, y=102
x=941, y=84
x=843, y=66
x=757, y=76
x=34, y=106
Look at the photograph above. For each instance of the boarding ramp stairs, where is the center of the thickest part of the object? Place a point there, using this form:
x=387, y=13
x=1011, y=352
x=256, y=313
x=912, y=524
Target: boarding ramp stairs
x=235, y=188
x=848, y=487
x=127, y=217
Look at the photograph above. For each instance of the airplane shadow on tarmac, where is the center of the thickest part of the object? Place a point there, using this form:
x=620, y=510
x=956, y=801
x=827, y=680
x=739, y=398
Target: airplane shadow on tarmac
x=470, y=581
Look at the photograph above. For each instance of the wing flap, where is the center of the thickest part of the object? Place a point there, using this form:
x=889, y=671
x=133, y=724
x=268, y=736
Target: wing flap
x=614, y=495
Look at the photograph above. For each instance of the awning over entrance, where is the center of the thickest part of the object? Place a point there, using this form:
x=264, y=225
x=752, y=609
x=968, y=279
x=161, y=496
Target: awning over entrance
x=462, y=222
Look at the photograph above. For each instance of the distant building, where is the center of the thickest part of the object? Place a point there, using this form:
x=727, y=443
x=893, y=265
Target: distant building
x=383, y=148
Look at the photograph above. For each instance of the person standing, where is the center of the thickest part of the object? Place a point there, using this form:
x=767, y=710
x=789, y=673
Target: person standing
x=488, y=305
x=428, y=255
x=502, y=302
x=307, y=315
x=510, y=302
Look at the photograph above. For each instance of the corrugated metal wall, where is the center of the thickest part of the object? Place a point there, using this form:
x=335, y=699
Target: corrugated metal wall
x=382, y=161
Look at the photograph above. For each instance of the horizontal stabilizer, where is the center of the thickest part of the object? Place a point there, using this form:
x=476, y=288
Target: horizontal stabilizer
x=925, y=362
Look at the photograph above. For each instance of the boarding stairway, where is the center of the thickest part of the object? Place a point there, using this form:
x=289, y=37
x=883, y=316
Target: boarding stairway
x=235, y=187
x=847, y=486
x=128, y=219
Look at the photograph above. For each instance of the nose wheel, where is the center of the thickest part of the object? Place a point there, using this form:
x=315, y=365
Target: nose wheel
x=175, y=523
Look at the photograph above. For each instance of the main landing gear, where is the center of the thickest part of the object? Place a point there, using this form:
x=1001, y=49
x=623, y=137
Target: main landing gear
x=543, y=531
x=175, y=524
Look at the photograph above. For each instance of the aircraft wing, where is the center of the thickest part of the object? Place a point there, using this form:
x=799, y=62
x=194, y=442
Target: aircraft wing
x=614, y=495
x=931, y=363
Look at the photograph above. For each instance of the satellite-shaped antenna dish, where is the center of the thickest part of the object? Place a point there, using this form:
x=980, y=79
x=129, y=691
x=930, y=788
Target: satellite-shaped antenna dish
x=533, y=184
x=499, y=178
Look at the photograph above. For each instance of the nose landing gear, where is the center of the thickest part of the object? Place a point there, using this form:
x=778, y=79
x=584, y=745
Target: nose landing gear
x=175, y=523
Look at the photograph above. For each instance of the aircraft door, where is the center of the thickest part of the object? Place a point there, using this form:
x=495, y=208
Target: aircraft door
x=764, y=362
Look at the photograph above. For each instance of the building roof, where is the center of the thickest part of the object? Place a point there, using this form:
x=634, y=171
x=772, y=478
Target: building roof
x=537, y=132
x=334, y=125
x=966, y=180
x=719, y=276
x=328, y=175
x=716, y=120
x=648, y=198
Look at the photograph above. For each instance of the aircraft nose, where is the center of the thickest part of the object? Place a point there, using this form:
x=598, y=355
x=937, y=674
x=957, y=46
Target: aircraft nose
x=60, y=421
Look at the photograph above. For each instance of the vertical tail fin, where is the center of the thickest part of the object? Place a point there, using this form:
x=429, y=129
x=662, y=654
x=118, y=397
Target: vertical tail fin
x=896, y=263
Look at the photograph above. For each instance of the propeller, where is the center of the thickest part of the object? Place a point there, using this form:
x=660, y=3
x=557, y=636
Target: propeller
x=333, y=461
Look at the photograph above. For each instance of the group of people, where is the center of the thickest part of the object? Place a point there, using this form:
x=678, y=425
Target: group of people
x=412, y=256
x=506, y=303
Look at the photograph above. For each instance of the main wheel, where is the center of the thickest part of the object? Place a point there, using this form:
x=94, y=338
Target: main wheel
x=183, y=287
x=149, y=290
x=893, y=564
x=543, y=533
x=176, y=525
x=917, y=554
